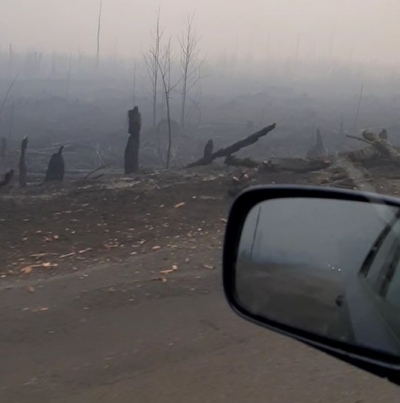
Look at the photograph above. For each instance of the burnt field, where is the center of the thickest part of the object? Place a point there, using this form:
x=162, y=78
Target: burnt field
x=98, y=214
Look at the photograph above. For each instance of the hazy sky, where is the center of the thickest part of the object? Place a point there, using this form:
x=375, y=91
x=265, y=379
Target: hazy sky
x=367, y=29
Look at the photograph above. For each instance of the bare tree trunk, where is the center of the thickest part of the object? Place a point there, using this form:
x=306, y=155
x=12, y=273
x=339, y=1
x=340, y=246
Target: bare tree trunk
x=133, y=145
x=189, y=63
x=11, y=126
x=98, y=35
x=152, y=62
x=165, y=72
x=169, y=132
x=134, y=84
x=69, y=76
x=7, y=95
x=22, y=163
x=3, y=148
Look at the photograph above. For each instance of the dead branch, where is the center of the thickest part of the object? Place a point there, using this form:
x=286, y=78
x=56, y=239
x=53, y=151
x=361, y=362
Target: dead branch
x=98, y=176
x=96, y=170
x=7, y=95
x=359, y=139
x=235, y=147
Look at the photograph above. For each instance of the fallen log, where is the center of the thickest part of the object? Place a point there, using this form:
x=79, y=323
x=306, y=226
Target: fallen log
x=279, y=164
x=234, y=148
x=231, y=160
x=380, y=142
x=299, y=165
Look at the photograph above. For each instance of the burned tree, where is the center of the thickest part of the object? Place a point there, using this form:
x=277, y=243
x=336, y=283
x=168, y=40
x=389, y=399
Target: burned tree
x=133, y=145
x=7, y=178
x=22, y=163
x=318, y=150
x=56, y=167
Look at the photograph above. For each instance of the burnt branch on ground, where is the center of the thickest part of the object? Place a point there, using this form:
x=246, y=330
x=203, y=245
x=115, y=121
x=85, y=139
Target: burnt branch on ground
x=234, y=148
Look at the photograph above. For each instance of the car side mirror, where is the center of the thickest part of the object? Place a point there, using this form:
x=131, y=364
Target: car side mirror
x=320, y=265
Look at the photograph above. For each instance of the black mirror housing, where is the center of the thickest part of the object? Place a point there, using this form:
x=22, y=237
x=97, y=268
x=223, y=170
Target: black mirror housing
x=377, y=361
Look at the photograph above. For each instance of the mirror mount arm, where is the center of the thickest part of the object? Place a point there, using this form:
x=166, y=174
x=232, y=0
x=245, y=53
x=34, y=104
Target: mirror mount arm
x=391, y=375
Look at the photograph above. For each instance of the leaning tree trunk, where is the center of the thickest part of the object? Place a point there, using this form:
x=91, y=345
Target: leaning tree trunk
x=133, y=145
x=233, y=148
x=22, y=164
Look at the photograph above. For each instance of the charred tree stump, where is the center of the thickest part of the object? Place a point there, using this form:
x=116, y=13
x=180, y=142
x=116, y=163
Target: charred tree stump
x=318, y=150
x=22, y=164
x=7, y=178
x=234, y=148
x=3, y=148
x=56, y=168
x=208, y=149
x=133, y=145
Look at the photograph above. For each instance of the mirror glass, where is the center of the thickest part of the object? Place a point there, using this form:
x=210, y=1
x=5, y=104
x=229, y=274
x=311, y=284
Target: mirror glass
x=330, y=267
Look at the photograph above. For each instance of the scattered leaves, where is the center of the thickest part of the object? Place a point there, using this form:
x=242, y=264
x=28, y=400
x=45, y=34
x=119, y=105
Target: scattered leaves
x=209, y=267
x=179, y=205
x=27, y=270
x=224, y=220
x=30, y=289
x=156, y=247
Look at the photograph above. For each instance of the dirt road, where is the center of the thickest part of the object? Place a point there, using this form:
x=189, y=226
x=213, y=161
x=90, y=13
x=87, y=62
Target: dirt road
x=131, y=307
x=110, y=335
